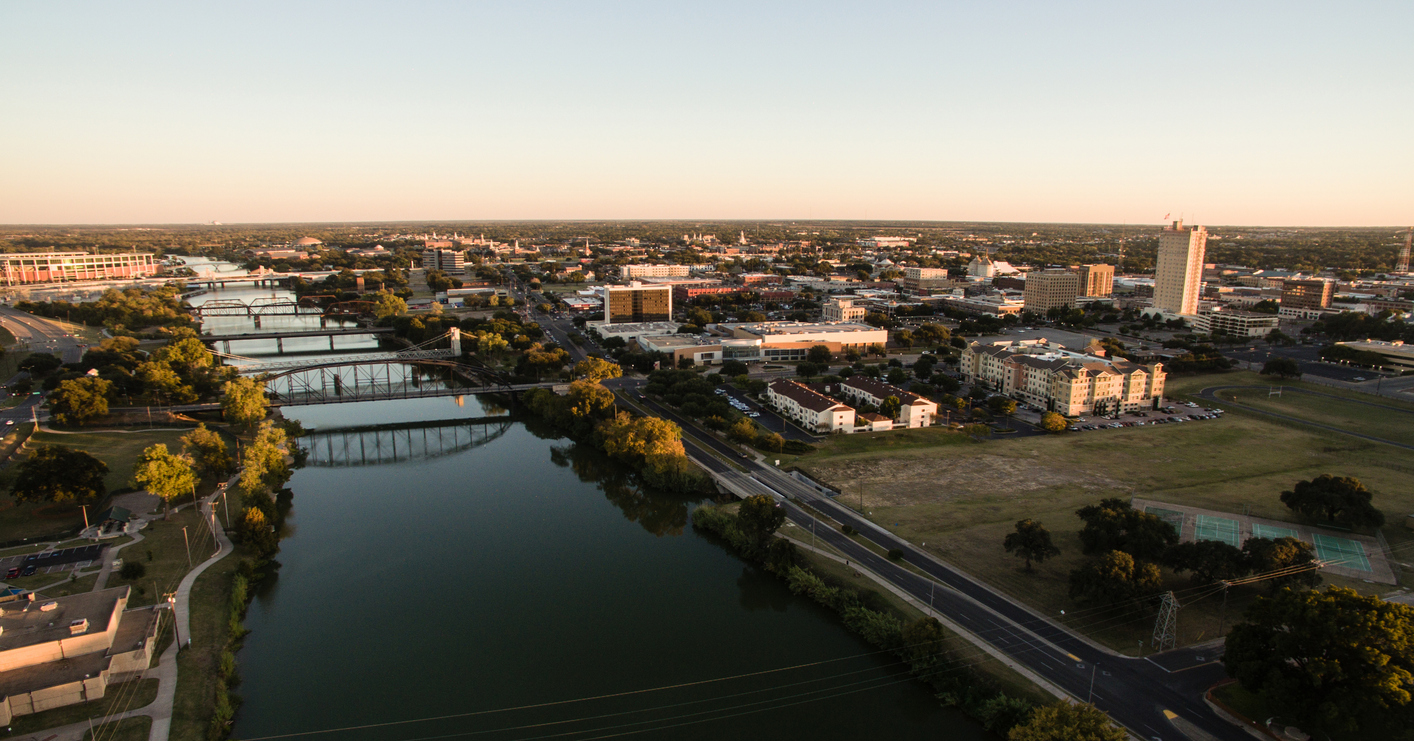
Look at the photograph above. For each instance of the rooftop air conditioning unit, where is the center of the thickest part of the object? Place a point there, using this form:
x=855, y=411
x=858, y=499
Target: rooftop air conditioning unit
x=78, y=627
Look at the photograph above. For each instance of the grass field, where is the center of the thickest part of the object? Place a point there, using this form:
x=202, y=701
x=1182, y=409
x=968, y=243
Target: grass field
x=197, y=665
x=118, y=698
x=120, y=450
x=137, y=728
x=163, y=553
x=962, y=498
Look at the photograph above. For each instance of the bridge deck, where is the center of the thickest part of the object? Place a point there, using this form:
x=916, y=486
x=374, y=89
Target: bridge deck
x=295, y=333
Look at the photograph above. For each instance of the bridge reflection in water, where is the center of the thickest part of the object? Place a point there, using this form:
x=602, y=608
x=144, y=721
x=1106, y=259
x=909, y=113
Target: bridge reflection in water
x=377, y=445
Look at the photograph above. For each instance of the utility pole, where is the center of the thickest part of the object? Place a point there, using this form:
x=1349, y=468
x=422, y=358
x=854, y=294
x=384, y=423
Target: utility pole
x=187, y=540
x=1222, y=619
x=1166, y=626
x=172, y=603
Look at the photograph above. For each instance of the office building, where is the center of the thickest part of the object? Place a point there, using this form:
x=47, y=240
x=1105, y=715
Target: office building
x=841, y=310
x=1178, y=275
x=636, y=303
x=924, y=281
x=1050, y=289
x=1047, y=376
x=1307, y=294
x=59, y=267
x=1095, y=280
x=447, y=261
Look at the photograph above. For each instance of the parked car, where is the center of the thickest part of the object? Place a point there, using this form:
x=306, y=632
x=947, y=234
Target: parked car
x=29, y=570
x=13, y=572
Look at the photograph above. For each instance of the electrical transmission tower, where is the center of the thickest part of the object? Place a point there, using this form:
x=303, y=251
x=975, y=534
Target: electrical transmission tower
x=1166, y=627
x=1403, y=265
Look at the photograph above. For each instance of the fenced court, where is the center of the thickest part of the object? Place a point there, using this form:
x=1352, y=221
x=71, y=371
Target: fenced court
x=1220, y=529
x=1353, y=556
x=1347, y=553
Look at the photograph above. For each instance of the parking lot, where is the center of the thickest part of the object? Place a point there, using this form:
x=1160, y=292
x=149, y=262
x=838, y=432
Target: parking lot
x=1176, y=413
x=48, y=562
x=763, y=416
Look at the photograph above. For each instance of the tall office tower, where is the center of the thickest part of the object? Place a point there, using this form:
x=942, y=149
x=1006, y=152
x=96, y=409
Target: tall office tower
x=1095, y=280
x=635, y=303
x=1178, y=277
x=1050, y=289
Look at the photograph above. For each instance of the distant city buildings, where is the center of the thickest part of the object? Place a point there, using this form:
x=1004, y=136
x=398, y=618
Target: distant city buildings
x=1307, y=294
x=1235, y=323
x=22, y=268
x=1047, y=376
x=1178, y=275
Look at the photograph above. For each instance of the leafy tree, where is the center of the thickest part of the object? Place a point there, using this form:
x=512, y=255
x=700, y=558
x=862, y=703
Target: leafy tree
x=771, y=442
x=386, y=304
x=1334, y=659
x=1208, y=560
x=1002, y=405
x=819, y=355
x=40, y=364
x=79, y=400
x=254, y=528
x=132, y=571
x=904, y=337
x=734, y=368
x=1281, y=368
x=1113, y=525
x=898, y=377
x=890, y=407
x=243, y=401
x=758, y=517
x=743, y=430
x=1063, y=721
x=1113, y=578
x=165, y=474
x=932, y=334
x=1031, y=541
x=207, y=450
x=597, y=369
x=1052, y=422
x=925, y=646
x=1336, y=499
x=53, y=473
x=1265, y=555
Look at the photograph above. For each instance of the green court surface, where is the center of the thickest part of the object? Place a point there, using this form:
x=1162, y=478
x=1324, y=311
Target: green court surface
x=1268, y=531
x=1341, y=552
x=1220, y=529
x=1170, y=516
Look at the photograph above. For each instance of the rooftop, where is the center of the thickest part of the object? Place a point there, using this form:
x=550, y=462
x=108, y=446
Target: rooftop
x=812, y=400
x=763, y=328
x=27, y=623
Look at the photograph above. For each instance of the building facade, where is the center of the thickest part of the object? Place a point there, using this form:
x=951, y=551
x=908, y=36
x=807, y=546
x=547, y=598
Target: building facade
x=914, y=410
x=1095, y=280
x=627, y=272
x=841, y=310
x=447, y=261
x=636, y=303
x=1236, y=323
x=1050, y=289
x=1307, y=294
x=1047, y=376
x=810, y=409
x=61, y=267
x=924, y=281
x=1178, y=274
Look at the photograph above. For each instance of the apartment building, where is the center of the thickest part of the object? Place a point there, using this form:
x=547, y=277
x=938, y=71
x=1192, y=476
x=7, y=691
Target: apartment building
x=1050, y=289
x=1047, y=376
x=59, y=267
x=914, y=410
x=636, y=303
x=810, y=409
x=841, y=310
x=1178, y=275
x=1095, y=280
x=628, y=272
x=1307, y=294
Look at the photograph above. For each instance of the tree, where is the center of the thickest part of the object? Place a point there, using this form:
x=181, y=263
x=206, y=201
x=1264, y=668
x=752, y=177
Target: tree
x=819, y=355
x=79, y=400
x=1031, y=541
x=771, y=442
x=758, y=518
x=40, y=364
x=597, y=369
x=53, y=473
x=255, y=529
x=1208, y=560
x=1334, y=659
x=1002, y=405
x=890, y=407
x=743, y=430
x=386, y=304
x=734, y=368
x=924, y=645
x=207, y=451
x=1298, y=559
x=243, y=401
x=932, y=334
x=1063, y=721
x=1282, y=368
x=1052, y=422
x=1336, y=499
x=1113, y=525
x=162, y=473
x=904, y=337
x=1113, y=578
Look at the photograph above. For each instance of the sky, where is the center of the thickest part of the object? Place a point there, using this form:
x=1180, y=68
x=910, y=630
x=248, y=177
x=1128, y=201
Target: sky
x=1231, y=113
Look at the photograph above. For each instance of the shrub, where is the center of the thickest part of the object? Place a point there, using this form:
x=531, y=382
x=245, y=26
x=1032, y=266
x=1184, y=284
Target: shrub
x=846, y=529
x=895, y=554
x=132, y=571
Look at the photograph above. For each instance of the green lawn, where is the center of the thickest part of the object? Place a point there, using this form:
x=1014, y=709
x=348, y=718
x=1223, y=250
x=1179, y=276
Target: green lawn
x=118, y=698
x=137, y=728
x=120, y=450
x=197, y=665
x=163, y=553
x=962, y=499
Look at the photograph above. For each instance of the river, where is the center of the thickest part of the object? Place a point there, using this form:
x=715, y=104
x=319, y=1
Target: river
x=498, y=577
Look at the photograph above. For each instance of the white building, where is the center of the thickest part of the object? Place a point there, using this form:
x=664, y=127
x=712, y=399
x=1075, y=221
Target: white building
x=981, y=267
x=914, y=410
x=1178, y=275
x=1235, y=323
x=627, y=272
x=1047, y=376
x=810, y=409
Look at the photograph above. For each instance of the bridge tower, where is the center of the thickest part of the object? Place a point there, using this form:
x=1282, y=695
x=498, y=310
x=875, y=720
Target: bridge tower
x=455, y=334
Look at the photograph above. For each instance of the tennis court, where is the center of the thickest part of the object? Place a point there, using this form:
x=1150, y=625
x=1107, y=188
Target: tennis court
x=1341, y=552
x=1171, y=516
x=1220, y=529
x=1268, y=531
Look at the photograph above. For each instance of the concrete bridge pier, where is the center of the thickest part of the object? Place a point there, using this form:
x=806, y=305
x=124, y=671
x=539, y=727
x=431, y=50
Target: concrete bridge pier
x=226, y=346
x=280, y=345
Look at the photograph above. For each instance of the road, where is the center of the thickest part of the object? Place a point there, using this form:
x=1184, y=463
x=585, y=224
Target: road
x=42, y=335
x=1135, y=692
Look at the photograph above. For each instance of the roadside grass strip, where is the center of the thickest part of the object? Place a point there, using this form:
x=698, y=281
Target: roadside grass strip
x=1341, y=551
x=1220, y=529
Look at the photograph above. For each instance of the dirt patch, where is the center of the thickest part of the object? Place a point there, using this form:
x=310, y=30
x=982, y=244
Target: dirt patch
x=907, y=481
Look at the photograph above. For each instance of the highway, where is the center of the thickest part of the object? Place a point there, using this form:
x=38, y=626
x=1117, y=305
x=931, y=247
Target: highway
x=1135, y=692
x=42, y=335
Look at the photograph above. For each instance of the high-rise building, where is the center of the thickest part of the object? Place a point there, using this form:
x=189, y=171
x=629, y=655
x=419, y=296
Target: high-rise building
x=1095, y=280
x=636, y=303
x=1306, y=294
x=1049, y=289
x=1178, y=276
x=448, y=261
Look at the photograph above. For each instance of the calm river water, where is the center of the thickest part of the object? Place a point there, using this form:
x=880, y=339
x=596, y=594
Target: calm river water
x=483, y=578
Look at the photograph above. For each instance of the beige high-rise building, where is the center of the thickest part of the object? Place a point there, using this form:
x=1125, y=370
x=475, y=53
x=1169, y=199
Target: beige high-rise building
x=1049, y=289
x=1178, y=276
x=1095, y=280
x=636, y=303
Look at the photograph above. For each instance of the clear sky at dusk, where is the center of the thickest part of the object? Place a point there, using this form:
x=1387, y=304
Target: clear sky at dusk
x=1229, y=113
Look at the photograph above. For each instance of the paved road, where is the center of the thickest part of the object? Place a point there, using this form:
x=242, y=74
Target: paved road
x=42, y=335
x=1211, y=394
x=1136, y=692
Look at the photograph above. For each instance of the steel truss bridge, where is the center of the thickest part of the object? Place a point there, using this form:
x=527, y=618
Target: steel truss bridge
x=374, y=379
x=257, y=307
x=376, y=445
